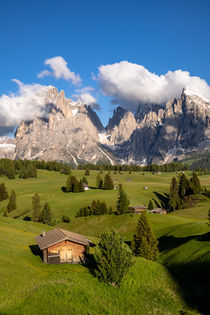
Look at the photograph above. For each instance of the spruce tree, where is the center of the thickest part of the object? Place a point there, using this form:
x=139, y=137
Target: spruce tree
x=84, y=180
x=99, y=181
x=108, y=182
x=113, y=258
x=46, y=215
x=110, y=211
x=144, y=242
x=174, y=200
x=87, y=172
x=36, y=208
x=81, y=187
x=184, y=186
x=5, y=214
x=12, y=202
x=68, y=184
x=196, y=186
x=122, y=202
x=3, y=192
x=150, y=205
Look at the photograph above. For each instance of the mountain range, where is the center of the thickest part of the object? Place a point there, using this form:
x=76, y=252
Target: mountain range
x=73, y=133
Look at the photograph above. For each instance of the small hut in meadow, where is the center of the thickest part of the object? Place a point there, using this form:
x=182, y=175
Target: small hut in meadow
x=158, y=211
x=61, y=246
x=139, y=209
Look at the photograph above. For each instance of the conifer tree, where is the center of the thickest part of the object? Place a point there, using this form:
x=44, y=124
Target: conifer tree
x=10, y=171
x=108, y=182
x=46, y=215
x=5, y=214
x=113, y=258
x=68, y=184
x=12, y=202
x=87, y=172
x=3, y=192
x=150, y=205
x=209, y=216
x=122, y=202
x=81, y=187
x=196, y=186
x=99, y=181
x=36, y=208
x=174, y=200
x=84, y=180
x=144, y=242
x=184, y=186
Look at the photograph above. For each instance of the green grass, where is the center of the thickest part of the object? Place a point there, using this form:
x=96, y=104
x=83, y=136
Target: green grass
x=179, y=280
x=48, y=185
x=30, y=287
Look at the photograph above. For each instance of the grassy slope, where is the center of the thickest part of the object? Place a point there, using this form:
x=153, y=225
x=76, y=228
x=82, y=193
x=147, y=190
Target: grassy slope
x=48, y=186
x=30, y=287
x=183, y=239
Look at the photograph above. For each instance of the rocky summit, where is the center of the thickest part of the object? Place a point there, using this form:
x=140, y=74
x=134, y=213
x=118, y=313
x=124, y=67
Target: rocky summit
x=72, y=132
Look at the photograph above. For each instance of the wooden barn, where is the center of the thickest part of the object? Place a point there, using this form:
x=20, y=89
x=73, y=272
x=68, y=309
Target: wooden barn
x=61, y=246
x=139, y=209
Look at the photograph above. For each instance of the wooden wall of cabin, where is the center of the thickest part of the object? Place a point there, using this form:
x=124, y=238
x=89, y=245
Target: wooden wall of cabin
x=62, y=249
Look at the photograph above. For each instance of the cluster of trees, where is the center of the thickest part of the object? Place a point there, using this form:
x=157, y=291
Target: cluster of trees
x=12, y=199
x=97, y=207
x=181, y=192
x=75, y=185
x=39, y=213
x=106, y=184
x=171, y=167
x=113, y=258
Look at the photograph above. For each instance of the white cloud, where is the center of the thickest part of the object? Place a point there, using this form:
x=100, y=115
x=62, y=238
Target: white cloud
x=131, y=84
x=60, y=70
x=27, y=104
x=84, y=96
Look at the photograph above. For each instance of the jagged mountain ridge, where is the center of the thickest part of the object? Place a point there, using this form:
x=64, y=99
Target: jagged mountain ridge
x=72, y=132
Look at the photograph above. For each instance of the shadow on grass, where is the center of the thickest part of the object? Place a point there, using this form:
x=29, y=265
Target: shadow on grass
x=193, y=277
x=36, y=251
x=63, y=188
x=163, y=200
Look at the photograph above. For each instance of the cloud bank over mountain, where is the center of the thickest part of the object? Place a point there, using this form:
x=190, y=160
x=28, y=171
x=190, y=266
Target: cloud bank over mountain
x=27, y=104
x=130, y=84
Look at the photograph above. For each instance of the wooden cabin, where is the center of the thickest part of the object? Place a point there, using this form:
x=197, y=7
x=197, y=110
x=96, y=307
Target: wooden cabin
x=158, y=211
x=139, y=209
x=61, y=246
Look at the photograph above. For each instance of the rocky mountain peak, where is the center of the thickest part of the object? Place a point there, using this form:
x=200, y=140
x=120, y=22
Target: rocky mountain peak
x=118, y=115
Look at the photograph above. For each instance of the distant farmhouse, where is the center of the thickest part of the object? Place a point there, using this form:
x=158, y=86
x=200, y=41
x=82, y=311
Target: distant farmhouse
x=158, y=211
x=61, y=246
x=86, y=187
x=139, y=209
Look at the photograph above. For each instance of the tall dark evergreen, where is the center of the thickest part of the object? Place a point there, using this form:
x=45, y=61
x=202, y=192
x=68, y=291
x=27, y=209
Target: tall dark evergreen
x=80, y=186
x=195, y=183
x=144, y=242
x=150, y=205
x=46, y=215
x=122, y=202
x=87, y=172
x=36, y=208
x=12, y=202
x=99, y=181
x=108, y=182
x=174, y=200
x=3, y=192
x=113, y=258
x=84, y=180
x=184, y=186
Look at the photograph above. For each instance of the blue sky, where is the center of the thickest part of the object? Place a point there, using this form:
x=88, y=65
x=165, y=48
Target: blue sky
x=160, y=35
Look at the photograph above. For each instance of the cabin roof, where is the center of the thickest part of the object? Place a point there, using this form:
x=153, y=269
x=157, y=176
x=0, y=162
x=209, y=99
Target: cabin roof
x=55, y=236
x=139, y=207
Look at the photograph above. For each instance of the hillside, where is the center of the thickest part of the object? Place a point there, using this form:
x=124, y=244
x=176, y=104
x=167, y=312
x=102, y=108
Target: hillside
x=29, y=285
x=179, y=280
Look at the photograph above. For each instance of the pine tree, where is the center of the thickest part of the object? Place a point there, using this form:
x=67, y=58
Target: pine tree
x=184, y=186
x=196, y=186
x=10, y=171
x=113, y=258
x=108, y=182
x=87, y=172
x=122, y=202
x=150, y=205
x=3, y=192
x=81, y=187
x=46, y=215
x=68, y=184
x=12, y=202
x=36, y=208
x=174, y=200
x=144, y=242
x=5, y=214
x=99, y=181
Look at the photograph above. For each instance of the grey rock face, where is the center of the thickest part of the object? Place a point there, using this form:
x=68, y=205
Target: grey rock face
x=69, y=134
x=72, y=132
